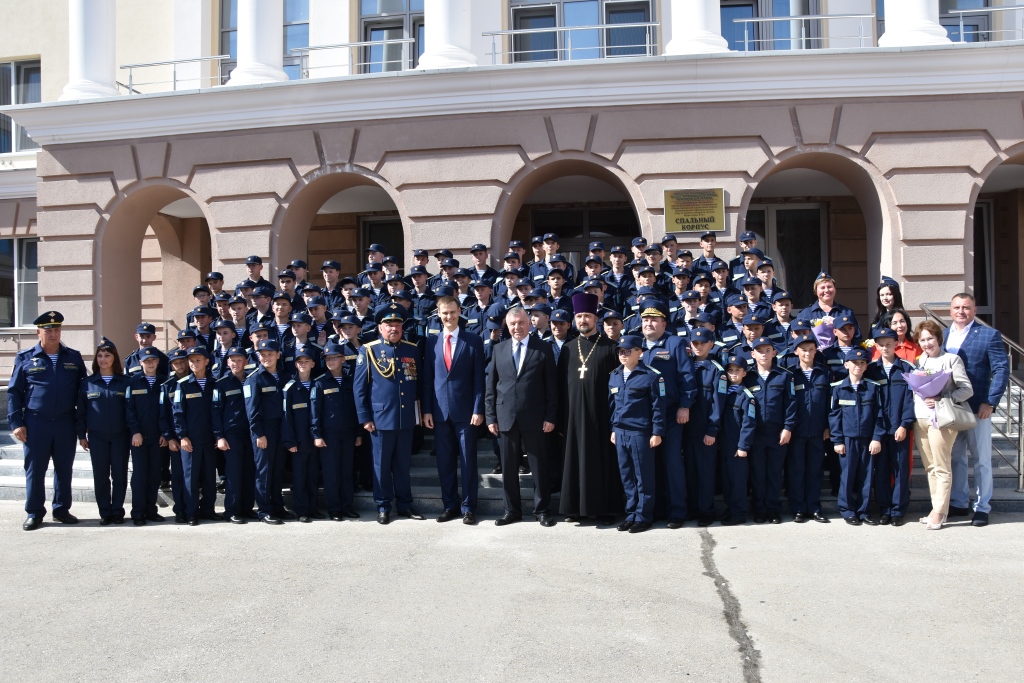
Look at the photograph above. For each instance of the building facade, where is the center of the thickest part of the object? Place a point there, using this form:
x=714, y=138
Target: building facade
x=871, y=142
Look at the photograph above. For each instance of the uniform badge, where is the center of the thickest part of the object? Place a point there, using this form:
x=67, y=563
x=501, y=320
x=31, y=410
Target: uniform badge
x=247, y=391
x=751, y=410
x=359, y=360
x=722, y=386
x=661, y=387
x=615, y=390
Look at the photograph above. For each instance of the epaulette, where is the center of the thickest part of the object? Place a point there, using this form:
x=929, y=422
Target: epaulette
x=403, y=341
x=184, y=379
x=871, y=381
x=749, y=393
x=372, y=343
x=221, y=379
x=651, y=369
x=289, y=384
x=836, y=384
x=717, y=364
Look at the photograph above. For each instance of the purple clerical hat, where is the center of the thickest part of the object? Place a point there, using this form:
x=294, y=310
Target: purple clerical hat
x=584, y=303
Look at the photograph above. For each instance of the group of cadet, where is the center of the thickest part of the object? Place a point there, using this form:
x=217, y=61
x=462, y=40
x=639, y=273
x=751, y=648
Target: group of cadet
x=721, y=388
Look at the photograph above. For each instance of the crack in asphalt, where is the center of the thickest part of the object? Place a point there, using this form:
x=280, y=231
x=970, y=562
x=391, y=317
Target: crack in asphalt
x=749, y=654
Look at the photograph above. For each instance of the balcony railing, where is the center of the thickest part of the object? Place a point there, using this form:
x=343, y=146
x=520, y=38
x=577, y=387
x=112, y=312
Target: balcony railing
x=132, y=83
x=369, y=56
x=590, y=42
x=994, y=35
x=801, y=32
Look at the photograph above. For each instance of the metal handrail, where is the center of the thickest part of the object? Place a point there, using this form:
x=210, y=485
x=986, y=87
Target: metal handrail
x=1013, y=431
x=303, y=53
x=803, y=27
x=650, y=44
x=986, y=10
x=173, y=63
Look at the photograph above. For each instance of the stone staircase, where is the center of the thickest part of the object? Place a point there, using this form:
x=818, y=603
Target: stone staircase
x=426, y=488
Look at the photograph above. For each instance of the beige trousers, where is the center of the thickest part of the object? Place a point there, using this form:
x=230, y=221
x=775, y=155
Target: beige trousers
x=937, y=456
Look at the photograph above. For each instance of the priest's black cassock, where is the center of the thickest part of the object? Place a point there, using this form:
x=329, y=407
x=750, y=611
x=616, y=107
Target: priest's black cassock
x=591, y=483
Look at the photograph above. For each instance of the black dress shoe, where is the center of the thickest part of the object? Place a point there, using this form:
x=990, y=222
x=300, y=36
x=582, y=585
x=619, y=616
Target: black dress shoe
x=800, y=518
x=820, y=517
x=775, y=518
x=141, y=521
x=980, y=519
x=852, y=521
x=469, y=518
x=733, y=521
x=154, y=517
x=410, y=514
x=383, y=517
x=237, y=519
x=284, y=514
x=448, y=515
x=676, y=523
x=68, y=518
x=193, y=521
x=274, y=521
x=507, y=518
x=955, y=511
x=352, y=514
x=32, y=523
x=496, y=470
x=305, y=519
x=546, y=520
x=180, y=519
x=639, y=527
x=119, y=519
x=705, y=521
x=625, y=525
x=898, y=520
x=106, y=521
x=885, y=520
x=212, y=517
x=870, y=521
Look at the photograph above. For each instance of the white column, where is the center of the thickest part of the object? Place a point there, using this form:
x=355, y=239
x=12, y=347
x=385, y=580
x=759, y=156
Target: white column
x=448, y=35
x=329, y=24
x=696, y=28
x=92, y=65
x=260, y=43
x=913, y=22
x=193, y=38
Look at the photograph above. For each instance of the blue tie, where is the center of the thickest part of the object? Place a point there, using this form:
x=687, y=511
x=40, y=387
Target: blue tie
x=517, y=348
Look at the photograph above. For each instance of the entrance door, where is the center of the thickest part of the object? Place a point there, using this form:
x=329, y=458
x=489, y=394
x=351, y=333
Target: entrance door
x=793, y=236
x=578, y=227
x=984, y=261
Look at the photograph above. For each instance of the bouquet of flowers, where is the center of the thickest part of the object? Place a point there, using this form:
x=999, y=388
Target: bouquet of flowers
x=928, y=384
x=824, y=331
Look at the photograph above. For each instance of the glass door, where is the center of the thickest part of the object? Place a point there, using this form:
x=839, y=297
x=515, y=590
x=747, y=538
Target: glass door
x=984, y=261
x=793, y=236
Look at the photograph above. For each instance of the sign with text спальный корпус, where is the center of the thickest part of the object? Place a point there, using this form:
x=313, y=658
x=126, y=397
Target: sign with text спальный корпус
x=694, y=210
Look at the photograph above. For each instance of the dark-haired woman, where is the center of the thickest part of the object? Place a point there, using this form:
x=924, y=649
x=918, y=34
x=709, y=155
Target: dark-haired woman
x=899, y=322
x=888, y=298
x=102, y=425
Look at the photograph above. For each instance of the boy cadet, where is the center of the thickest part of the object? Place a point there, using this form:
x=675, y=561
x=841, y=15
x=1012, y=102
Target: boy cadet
x=221, y=302
x=178, y=362
x=739, y=427
x=143, y=415
x=191, y=410
x=708, y=241
x=731, y=332
x=231, y=431
x=748, y=240
x=846, y=340
x=481, y=269
x=773, y=389
x=215, y=281
x=226, y=338
x=636, y=406
x=705, y=422
x=145, y=335
x=238, y=307
x=263, y=405
x=611, y=324
x=807, y=447
x=301, y=270
x=335, y=430
x=301, y=324
x=297, y=438
x=857, y=427
x=892, y=464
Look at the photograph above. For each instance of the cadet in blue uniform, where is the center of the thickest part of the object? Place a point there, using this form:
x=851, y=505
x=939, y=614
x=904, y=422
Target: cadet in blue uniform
x=193, y=399
x=636, y=406
x=387, y=370
x=42, y=395
x=148, y=444
x=806, y=454
x=773, y=388
x=705, y=424
x=178, y=361
x=857, y=425
x=297, y=438
x=739, y=427
x=102, y=425
x=892, y=464
x=145, y=335
x=231, y=431
x=335, y=429
x=265, y=408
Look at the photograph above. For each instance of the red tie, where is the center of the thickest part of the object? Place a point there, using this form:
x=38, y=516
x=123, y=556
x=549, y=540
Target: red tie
x=448, y=352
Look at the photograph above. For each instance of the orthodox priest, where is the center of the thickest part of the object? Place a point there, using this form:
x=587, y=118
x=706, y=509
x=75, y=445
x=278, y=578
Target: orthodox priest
x=591, y=485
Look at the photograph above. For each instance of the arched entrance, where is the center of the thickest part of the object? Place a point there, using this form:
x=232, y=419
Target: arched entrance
x=821, y=211
x=150, y=253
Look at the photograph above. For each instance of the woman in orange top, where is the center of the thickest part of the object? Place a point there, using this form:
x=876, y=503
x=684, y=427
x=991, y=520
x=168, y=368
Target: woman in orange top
x=906, y=348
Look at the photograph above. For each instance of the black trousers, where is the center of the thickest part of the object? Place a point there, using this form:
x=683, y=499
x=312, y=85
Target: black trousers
x=514, y=444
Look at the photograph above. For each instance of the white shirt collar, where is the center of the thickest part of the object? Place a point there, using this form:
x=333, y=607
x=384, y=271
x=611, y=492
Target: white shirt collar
x=454, y=335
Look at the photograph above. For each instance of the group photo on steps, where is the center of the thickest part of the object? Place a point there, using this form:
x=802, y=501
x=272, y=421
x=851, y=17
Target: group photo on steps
x=654, y=385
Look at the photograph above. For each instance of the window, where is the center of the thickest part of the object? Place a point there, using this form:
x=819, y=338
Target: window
x=977, y=27
x=19, y=282
x=20, y=83
x=382, y=20
x=296, y=34
x=584, y=43
x=770, y=35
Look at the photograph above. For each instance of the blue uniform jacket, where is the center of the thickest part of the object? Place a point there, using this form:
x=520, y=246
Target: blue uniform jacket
x=775, y=395
x=228, y=408
x=896, y=395
x=295, y=427
x=638, y=403
x=670, y=356
x=386, y=385
x=739, y=417
x=35, y=386
x=191, y=409
x=856, y=411
x=133, y=366
x=166, y=403
x=333, y=404
x=712, y=388
x=102, y=407
x=812, y=400
x=457, y=394
x=263, y=399
x=144, y=407
x=729, y=335
x=835, y=358
x=814, y=311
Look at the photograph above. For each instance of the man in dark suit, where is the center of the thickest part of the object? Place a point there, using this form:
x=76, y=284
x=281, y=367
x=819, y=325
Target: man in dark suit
x=522, y=406
x=453, y=406
x=984, y=356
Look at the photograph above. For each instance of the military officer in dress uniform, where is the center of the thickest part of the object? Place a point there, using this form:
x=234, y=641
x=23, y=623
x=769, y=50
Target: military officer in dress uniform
x=41, y=399
x=387, y=368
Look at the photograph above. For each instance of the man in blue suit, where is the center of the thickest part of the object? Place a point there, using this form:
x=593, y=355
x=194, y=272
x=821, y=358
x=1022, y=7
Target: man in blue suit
x=981, y=349
x=453, y=406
